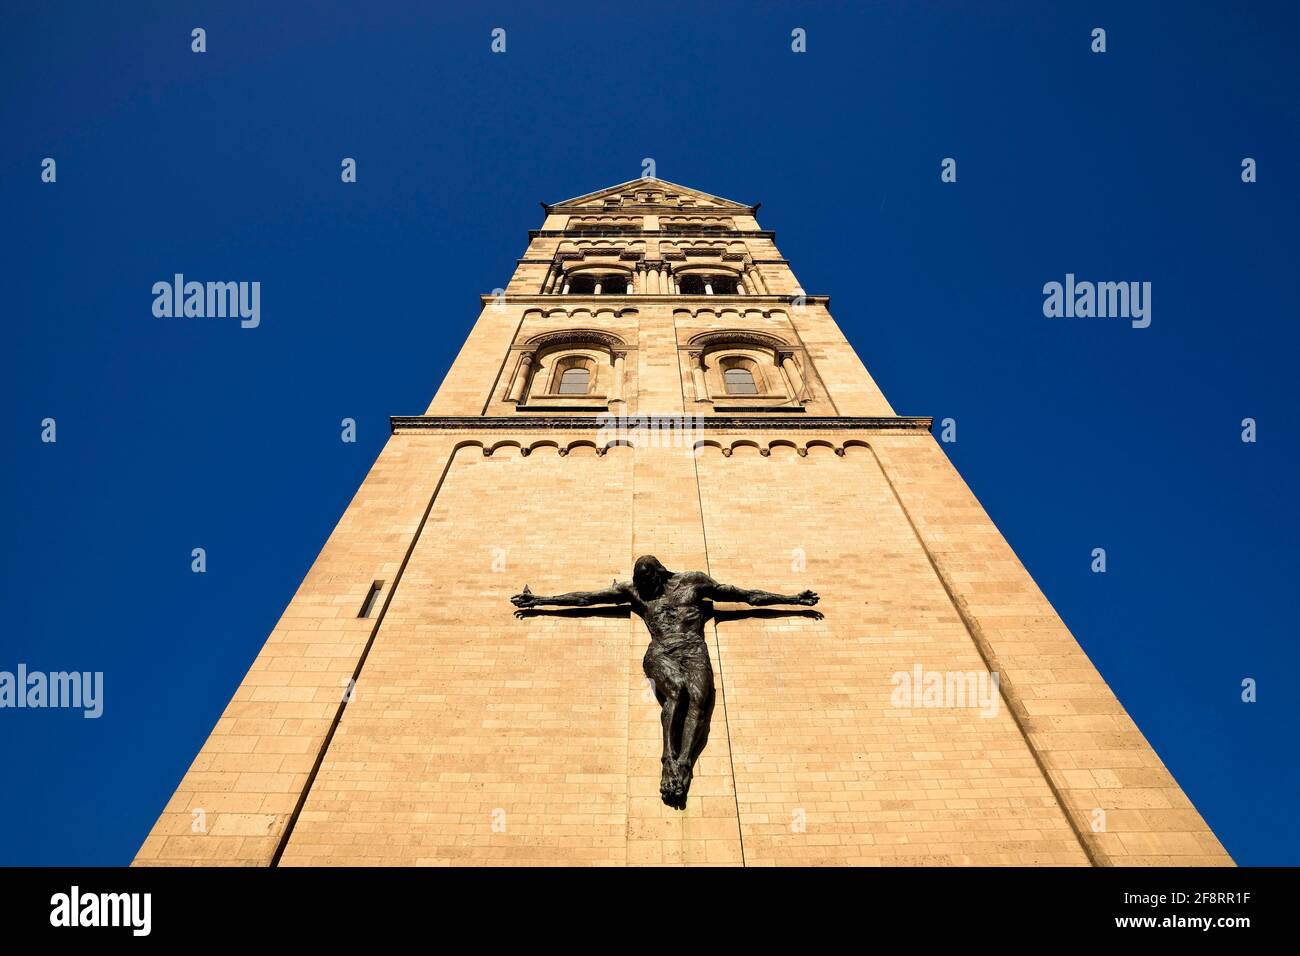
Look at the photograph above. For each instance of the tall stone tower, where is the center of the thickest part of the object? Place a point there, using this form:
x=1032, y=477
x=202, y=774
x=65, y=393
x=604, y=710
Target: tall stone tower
x=399, y=712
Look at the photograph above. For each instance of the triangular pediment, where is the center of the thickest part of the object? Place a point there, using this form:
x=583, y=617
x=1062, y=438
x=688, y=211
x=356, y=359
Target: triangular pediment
x=651, y=192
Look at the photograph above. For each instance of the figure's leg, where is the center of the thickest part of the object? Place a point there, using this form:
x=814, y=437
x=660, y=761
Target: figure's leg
x=667, y=713
x=669, y=688
x=699, y=691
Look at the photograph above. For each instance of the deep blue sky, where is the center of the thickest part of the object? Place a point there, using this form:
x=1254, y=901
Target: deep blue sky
x=1074, y=433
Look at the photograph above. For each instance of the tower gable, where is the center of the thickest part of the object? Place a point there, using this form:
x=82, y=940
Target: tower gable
x=649, y=192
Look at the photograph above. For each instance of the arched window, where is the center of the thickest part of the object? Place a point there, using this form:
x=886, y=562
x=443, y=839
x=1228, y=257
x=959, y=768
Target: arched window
x=588, y=283
x=739, y=380
x=568, y=369
x=575, y=381
x=744, y=369
x=695, y=284
x=571, y=374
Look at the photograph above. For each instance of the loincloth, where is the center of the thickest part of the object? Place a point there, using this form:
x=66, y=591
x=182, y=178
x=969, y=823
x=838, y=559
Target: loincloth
x=691, y=657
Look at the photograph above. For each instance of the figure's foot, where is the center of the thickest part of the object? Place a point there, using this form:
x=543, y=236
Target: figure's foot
x=684, y=774
x=674, y=783
x=672, y=789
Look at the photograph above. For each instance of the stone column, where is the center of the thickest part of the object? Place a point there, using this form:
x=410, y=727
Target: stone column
x=792, y=374
x=521, y=377
x=697, y=377
x=616, y=386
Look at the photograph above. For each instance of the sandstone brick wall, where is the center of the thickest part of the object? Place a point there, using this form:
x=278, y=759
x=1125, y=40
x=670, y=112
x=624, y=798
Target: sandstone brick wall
x=1125, y=803
x=827, y=769
x=475, y=738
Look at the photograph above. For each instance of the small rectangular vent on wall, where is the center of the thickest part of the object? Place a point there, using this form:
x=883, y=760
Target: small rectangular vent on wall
x=372, y=598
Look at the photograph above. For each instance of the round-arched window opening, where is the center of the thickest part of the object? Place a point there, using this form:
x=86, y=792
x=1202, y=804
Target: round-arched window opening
x=572, y=375
x=692, y=284
x=586, y=283
x=738, y=378
x=575, y=381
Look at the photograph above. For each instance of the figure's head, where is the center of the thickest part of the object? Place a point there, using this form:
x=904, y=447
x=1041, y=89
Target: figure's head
x=648, y=575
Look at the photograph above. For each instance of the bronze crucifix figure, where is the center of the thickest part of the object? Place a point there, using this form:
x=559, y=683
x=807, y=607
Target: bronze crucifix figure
x=674, y=608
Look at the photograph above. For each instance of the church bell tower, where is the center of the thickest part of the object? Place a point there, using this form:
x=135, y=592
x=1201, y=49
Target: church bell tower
x=653, y=380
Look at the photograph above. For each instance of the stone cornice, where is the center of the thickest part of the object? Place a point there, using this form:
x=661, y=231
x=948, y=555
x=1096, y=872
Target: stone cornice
x=661, y=233
x=707, y=422
x=574, y=209
x=558, y=299
x=567, y=255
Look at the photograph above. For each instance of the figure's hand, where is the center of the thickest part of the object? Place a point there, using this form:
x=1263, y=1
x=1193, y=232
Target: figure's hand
x=816, y=615
x=808, y=598
x=522, y=614
x=525, y=598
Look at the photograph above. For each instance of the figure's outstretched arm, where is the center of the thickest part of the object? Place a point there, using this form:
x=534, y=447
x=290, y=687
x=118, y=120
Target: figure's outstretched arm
x=729, y=592
x=610, y=595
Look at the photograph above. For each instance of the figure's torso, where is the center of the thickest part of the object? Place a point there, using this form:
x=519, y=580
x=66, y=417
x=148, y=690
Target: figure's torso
x=677, y=615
